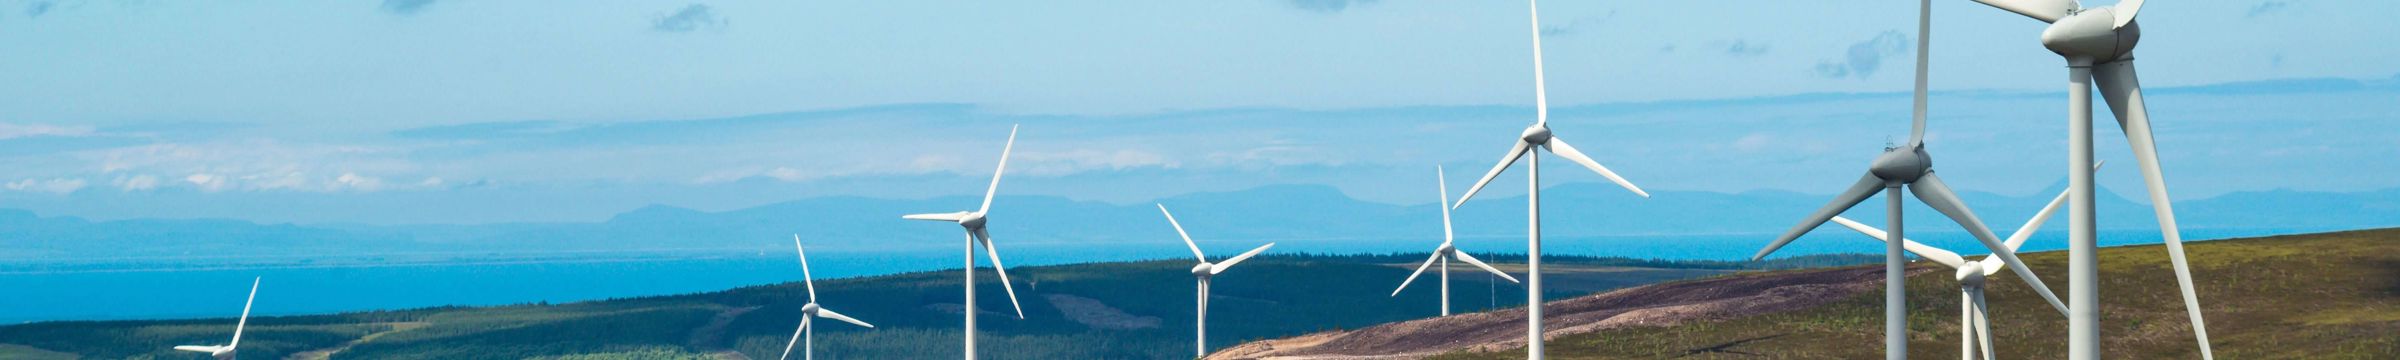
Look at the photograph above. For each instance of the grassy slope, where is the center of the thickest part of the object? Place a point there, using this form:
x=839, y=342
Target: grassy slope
x=1253, y=301
x=2319, y=296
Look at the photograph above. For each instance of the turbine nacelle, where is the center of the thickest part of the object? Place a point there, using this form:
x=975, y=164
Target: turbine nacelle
x=2092, y=35
x=1203, y=270
x=1971, y=276
x=972, y=220
x=1901, y=165
x=1538, y=134
x=1446, y=249
x=810, y=309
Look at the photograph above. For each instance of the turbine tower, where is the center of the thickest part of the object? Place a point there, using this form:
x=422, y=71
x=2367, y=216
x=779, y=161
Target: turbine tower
x=973, y=221
x=1446, y=252
x=1974, y=321
x=809, y=313
x=1908, y=165
x=1538, y=135
x=1203, y=272
x=2098, y=46
x=225, y=352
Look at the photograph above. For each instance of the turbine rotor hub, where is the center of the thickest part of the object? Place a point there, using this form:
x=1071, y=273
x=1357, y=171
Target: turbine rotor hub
x=1202, y=269
x=2092, y=34
x=810, y=309
x=1537, y=135
x=1902, y=165
x=973, y=220
x=1971, y=276
x=1446, y=249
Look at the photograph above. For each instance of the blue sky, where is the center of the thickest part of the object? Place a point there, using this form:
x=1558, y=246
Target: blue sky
x=542, y=112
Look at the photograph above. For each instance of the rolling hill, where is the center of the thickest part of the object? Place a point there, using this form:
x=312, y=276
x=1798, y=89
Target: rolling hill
x=2318, y=296
x=1124, y=310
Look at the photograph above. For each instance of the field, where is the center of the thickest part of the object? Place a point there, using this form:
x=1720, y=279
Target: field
x=1133, y=310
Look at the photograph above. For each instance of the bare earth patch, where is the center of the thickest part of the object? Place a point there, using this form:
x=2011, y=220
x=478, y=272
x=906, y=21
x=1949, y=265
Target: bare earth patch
x=1093, y=313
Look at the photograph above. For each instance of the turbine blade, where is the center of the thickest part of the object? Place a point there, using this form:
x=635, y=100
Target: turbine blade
x=1470, y=259
x=805, y=279
x=995, y=189
x=1412, y=276
x=1858, y=192
x=1992, y=265
x=1916, y=130
x=986, y=238
x=829, y=314
x=787, y=347
x=2123, y=89
x=2125, y=12
x=1559, y=146
x=1187, y=237
x=1945, y=257
x=950, y=217
x=245, y=321
x=1447, y=235
x=196, y=348
x=1221, y=266
x=1541, y=96
x=1514, y=153
x=2044, y=10
x=1937, y=195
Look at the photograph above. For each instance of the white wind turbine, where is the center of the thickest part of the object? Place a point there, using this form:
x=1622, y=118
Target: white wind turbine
x=973, y=221
x=1908, y=165
x=809, y=313
x=1538, y=135
x=1974, y=319
x=2098, y=45
x=1446, y=252
x=1203, y=272
x=225, y=352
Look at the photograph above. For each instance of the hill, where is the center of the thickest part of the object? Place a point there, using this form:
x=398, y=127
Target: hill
x=2320, y=296
x=1124, y=310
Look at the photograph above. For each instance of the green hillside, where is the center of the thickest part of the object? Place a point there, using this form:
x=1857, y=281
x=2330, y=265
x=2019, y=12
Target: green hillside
x=1137, y=310
x=2318, y=296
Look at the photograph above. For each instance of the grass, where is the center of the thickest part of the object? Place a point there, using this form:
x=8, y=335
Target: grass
x=2317, y=296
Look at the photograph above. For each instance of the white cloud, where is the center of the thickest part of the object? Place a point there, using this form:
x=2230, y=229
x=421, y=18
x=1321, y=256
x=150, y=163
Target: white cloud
x=55, y=186
x=137, y=183
x=12, y=131
x=354, y=181
x=206, y=182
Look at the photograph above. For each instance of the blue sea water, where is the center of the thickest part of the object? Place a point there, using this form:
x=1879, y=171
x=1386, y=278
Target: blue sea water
x=106, y=293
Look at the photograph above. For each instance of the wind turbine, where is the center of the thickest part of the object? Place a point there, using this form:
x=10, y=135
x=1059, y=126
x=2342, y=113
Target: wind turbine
x=973, y=221
x=225, y=352
x=1538, y=135
x=1203, y=272
x=2098, y=45
x=1974, y=319
x=810, y=312
x=1446, y=252
x=1908, y=165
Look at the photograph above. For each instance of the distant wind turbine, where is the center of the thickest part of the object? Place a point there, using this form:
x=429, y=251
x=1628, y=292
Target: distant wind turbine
x=810, y=312
x=225, y=352
x=1203, y=272
x=973, y=221
x=1538, y=135
x=1974, y=319
x=1446, y=252
x=1908, y=165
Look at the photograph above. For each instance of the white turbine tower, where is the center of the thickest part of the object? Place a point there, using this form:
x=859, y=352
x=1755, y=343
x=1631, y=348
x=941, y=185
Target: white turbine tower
x=1908, y=165
x=1538, y=135
x=1203, y=272
x=809, y=313
x=2098, y=45
x=1446, y=252
x=225, y=352
x=973, y=221
x=1974, y=319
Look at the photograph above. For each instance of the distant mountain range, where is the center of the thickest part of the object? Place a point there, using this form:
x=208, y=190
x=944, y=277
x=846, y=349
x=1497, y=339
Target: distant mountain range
x=1284, y=213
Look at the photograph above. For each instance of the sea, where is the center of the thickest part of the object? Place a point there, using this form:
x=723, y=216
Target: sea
x=125, y=289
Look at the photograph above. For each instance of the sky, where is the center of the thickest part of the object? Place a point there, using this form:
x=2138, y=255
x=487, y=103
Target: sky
x=466, y=112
